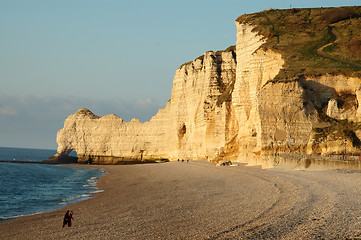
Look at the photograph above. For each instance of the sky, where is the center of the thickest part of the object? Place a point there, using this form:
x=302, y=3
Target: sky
x=110, y=56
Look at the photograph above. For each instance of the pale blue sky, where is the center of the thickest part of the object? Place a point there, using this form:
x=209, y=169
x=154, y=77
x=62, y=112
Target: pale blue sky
x=57, y=56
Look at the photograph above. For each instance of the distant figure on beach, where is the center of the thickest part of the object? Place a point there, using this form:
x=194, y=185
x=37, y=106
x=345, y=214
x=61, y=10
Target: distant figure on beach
x=67, y=218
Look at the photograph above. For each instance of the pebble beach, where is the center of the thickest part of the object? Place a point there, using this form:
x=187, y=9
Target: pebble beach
x=197, y=200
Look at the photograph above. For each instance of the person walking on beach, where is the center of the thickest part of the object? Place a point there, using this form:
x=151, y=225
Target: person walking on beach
x=67, y=218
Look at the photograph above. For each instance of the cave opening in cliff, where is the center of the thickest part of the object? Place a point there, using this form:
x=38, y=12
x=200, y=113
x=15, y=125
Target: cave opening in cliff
x=73, y=154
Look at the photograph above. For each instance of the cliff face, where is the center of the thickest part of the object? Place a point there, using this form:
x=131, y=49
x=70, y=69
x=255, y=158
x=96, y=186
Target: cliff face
x=191, y=126
x=235, y=104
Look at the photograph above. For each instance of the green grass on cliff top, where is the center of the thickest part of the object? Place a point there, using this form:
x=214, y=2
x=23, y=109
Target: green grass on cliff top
x=298, y=33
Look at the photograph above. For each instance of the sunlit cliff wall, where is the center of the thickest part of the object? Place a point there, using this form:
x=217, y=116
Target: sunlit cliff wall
x=226, y=105
x=193, y=124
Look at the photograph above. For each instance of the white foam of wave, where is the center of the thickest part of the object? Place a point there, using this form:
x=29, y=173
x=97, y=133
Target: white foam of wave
x=91, y=182
x=75, y=198
x=97, y=191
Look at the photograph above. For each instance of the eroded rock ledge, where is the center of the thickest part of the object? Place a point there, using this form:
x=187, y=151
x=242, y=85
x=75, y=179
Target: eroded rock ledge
x=229, y=105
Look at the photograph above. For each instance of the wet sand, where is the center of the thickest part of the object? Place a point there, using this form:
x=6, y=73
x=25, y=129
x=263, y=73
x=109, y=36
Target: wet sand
x=197, y=200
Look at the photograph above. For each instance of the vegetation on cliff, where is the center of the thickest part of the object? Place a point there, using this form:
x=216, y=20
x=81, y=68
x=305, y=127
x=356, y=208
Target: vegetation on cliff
x=313, y=40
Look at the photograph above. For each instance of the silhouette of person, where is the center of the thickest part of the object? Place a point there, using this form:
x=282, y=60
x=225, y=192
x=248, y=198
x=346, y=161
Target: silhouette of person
x=67, y=218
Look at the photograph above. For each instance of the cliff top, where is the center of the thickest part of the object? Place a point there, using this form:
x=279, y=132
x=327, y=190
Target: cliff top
x=229, y=49
x=85, y=113
x=312, y=41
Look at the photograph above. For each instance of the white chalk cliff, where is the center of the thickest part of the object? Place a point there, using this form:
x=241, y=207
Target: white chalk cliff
x=191, y=126
x=224, y=105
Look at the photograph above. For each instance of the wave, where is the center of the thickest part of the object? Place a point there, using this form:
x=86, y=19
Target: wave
x=91, y=189
x=59, y=186
x=97, y=191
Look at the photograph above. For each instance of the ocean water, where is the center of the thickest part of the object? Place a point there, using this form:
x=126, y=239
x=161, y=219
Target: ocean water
x=27, y=189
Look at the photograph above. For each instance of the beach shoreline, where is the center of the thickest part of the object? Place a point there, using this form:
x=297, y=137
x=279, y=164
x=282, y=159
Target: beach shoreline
x=44, y=189
x=9, y=227
x=198, y=200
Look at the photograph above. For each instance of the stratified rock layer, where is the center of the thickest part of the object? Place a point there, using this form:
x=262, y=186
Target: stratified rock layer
x=225, y=105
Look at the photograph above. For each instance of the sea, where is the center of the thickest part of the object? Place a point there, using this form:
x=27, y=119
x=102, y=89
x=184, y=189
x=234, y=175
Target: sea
x=27, y=189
